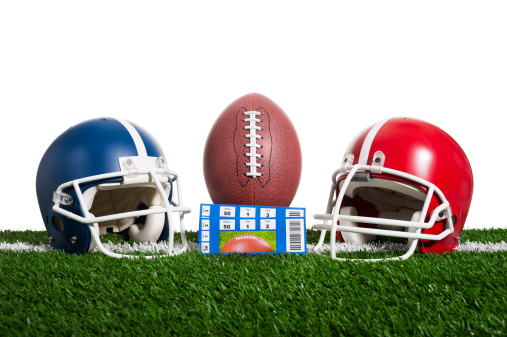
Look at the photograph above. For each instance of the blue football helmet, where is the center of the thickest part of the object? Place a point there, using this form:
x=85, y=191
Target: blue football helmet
x=107, y=175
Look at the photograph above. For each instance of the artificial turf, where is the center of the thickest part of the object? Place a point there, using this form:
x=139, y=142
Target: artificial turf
x=53, y=293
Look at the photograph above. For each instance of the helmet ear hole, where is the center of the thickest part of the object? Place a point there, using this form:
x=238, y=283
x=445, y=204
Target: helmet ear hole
x=58, y=223
x=454, y=219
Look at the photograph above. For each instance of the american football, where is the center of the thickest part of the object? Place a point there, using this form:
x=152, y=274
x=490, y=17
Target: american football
x=247, y=244
x=252, y=155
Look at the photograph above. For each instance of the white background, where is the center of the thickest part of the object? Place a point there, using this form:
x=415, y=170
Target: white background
x=172, y=67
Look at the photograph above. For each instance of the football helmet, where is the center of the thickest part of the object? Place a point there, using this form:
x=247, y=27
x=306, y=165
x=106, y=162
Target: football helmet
x=401, y=177
x=107, y=175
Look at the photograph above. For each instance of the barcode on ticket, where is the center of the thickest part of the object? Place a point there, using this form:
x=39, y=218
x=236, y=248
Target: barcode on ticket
x=295, y=235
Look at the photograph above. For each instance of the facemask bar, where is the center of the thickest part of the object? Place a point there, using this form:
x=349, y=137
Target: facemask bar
x=92, y=221
x=334, y=216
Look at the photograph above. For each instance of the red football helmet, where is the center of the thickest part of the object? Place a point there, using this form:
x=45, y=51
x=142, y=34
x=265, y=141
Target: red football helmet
x=401, y=177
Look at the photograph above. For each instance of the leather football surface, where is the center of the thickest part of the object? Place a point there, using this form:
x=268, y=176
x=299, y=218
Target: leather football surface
x=253, y=126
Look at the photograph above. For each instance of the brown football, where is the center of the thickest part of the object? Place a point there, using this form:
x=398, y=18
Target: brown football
x=252, y=155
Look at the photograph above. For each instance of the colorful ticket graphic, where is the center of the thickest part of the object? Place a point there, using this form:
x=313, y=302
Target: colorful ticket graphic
x=226, y=229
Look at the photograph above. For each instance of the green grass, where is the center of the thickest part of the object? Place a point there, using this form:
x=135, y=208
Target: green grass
x=269, y=236
x=302, y=295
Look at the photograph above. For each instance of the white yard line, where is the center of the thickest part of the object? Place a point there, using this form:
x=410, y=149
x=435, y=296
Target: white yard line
x=389, y=247
x=342, y=247
x=151, y=247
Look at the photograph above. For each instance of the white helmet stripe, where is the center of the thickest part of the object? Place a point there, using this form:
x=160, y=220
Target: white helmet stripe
x=138, y=141
x=365, y=149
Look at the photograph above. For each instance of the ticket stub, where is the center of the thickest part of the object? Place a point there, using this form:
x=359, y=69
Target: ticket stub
x=226, y=229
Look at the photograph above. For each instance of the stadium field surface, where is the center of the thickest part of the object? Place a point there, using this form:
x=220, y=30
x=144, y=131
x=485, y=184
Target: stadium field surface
x=45, y=292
